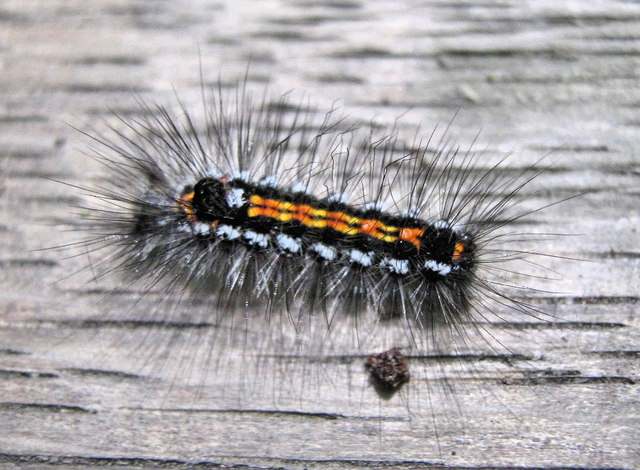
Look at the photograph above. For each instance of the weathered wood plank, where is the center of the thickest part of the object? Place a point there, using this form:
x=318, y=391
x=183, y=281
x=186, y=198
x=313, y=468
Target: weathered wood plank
x=559, y=77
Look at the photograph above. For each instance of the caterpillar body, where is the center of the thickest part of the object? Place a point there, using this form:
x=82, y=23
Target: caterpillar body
x=271, y=210
x=325, y=238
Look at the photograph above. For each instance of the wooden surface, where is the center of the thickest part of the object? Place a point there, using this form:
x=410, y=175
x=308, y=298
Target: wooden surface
x=78, y=390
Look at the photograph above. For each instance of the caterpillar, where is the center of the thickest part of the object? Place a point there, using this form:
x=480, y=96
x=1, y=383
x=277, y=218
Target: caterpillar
x=266, y=210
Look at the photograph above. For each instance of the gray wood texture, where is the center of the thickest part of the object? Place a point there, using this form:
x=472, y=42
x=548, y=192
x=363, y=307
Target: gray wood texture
x=80, y=390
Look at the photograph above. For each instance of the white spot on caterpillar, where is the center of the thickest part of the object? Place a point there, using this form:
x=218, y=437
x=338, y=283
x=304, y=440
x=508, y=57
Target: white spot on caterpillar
x=412, y=212
x=300, y=187
x=269, y=181
x=240, y=175
x=440, y=224
x=235, y=198
x=398, y=266
x=201, y=228
x=255, y=238
x=440, y=268
x=287, y=243
x=365, y=259
x=228, y=232
x=186, y=227
x=338, y=197
x=375, y=206
x=325, y=251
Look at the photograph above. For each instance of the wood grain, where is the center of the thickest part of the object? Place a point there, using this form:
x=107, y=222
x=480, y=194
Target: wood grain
x=79, y=390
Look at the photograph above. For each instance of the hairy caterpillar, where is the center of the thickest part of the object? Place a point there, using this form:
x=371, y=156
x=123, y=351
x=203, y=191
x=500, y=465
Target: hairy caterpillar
x=313, y=227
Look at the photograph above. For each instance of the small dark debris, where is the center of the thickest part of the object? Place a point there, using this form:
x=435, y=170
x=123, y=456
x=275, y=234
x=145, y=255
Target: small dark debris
x=388, y=371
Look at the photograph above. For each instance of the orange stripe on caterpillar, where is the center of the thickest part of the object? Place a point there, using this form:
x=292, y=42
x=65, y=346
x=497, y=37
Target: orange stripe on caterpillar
x=458, y=251
x=284, y=211
x=185, y=203
x=412, y=235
